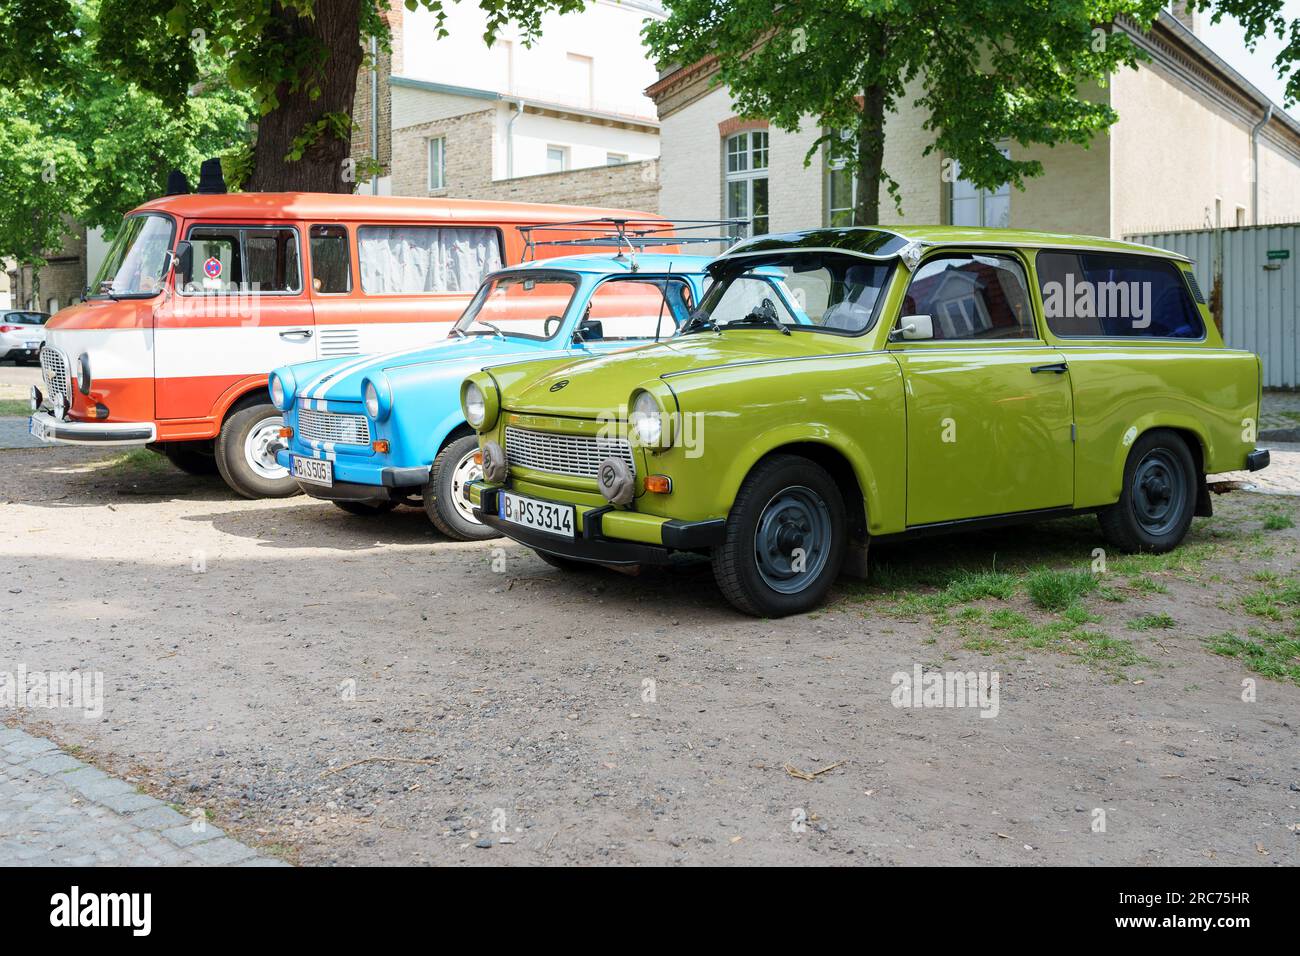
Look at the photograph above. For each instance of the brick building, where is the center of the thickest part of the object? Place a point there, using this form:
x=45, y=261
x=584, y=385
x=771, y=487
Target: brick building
x=564, y=120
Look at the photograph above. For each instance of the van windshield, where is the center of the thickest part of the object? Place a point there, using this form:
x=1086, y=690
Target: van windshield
x=135, y=261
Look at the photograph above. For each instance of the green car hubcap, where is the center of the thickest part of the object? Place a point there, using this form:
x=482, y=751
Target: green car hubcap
x=1159, y=492
x=793, y=539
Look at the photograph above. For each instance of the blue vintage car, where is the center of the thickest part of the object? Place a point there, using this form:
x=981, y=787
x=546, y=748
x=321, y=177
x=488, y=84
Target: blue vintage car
x=372, y=432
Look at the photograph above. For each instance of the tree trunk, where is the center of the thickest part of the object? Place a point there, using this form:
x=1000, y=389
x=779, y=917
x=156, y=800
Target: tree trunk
x=871, y=156
x=336, y=29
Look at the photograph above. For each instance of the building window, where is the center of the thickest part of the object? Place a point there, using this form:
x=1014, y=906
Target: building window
x=615, y=159
x=438, y=162
x=1241, y=216
x=52, y=305
x=841, y=188
x=746, y=179
x=979, y=207
x=557, y=159
x=581, y=77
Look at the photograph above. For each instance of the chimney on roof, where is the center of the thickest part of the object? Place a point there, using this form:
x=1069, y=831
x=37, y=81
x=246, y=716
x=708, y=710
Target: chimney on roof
x=211, y=179
x=1189, y=18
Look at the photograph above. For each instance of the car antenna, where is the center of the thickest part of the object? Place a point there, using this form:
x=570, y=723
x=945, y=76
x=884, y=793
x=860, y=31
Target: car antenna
x=664, y=299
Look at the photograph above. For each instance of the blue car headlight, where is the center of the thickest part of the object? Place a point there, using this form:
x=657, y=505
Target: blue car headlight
x=378, y=397
x=283, y=389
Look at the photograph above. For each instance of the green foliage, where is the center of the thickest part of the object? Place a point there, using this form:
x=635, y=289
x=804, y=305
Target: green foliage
x=982, y=72
x=1054, y=590
x=1271, y=654
x=80, y=143
x=1146, y=622
x=1278, y=522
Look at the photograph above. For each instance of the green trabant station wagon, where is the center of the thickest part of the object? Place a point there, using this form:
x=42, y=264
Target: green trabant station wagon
x=840, y=385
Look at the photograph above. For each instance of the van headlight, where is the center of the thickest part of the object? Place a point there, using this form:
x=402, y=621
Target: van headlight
x=83, y=373
x=283, y=389
x=649, y=422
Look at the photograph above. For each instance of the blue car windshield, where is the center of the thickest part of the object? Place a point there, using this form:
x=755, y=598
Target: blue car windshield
x=528, y=306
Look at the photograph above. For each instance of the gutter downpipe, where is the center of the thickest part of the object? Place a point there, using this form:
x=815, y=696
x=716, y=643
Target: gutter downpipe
x=510, y=138
x=374, y=114
x=1254, y=158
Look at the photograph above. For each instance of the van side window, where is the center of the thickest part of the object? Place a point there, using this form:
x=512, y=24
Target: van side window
x=412, y=259
x=1095, y=294
x=331, y=262
x=251, y=259
x=972, y=297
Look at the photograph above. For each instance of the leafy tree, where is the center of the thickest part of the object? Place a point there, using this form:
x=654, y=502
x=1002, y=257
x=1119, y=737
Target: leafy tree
x=297, y=58
x=987, y=71
x=81, y=144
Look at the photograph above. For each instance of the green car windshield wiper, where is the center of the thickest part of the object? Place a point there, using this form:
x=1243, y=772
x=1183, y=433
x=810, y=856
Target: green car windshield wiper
x=698, y=321
x=764, y=313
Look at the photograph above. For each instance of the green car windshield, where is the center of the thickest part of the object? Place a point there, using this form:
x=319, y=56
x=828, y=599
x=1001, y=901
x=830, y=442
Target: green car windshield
x=810, y=290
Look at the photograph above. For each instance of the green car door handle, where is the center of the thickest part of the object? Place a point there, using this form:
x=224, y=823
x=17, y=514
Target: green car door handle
x=1057, y=367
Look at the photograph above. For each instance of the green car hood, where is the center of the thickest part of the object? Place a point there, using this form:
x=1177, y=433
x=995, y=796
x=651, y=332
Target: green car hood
x=592, y=387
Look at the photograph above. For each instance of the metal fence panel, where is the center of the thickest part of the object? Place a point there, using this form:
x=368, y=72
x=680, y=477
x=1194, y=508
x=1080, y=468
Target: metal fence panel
x=1258, y=293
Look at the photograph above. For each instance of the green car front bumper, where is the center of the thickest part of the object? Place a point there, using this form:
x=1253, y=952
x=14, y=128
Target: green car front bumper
x=605, y=535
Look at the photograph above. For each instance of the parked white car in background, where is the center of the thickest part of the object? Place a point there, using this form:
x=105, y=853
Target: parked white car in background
x=21, y=335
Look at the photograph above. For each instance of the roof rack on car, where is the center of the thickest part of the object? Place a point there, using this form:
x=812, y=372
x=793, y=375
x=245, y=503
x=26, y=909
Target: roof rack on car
x=632, y=235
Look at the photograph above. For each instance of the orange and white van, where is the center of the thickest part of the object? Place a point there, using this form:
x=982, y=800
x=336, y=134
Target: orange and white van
x=200, y=296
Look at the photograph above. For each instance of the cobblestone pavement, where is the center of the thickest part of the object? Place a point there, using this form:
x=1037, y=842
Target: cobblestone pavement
x=1281, y=477
x=56, y=810
x=1280, y=409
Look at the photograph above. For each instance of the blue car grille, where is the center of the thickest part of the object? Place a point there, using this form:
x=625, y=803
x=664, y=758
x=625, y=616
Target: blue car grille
x=577, y=455
x=333, y=427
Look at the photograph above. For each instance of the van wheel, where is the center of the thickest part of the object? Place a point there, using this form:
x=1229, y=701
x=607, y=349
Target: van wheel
x=365, y=509
x=192, y=457
x=244, y=457
x=444, y=502
x=1156, y=503
x=785, y=539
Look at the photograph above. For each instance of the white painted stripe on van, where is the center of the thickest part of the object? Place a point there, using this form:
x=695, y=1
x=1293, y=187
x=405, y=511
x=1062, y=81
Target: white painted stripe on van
x=235, y=352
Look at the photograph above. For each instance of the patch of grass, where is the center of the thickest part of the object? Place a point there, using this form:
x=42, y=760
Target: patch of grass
x=1054, y=590
x=1273, y=602
x=1077, y=615
x=1114, y=595
x=1189, y=557
x=1005, y=618
x=1148, y=621
x=1278, y=522
x=1148, y=585
x=15, y=407
x=140, y=459
x=977, y=585
x=1271, y=655
x=1110, y=651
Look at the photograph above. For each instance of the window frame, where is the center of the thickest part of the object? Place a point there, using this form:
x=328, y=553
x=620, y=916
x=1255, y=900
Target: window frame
x=441, y=139
x=982, y=195
x=1028, y=274
x=242, y=227
x=748, y=175
x=494, y=229
x=311, y=265
x=1173, y=264
x=565, y=158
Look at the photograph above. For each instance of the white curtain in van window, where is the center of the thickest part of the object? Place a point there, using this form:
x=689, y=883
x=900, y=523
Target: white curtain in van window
x=425, y=259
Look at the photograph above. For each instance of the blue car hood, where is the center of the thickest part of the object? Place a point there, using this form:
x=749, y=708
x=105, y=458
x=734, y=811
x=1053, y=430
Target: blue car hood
x=340, y=379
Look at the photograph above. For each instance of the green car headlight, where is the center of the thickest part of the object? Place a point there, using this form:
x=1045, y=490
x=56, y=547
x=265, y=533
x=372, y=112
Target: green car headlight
x=480, y=402
x=649, y=422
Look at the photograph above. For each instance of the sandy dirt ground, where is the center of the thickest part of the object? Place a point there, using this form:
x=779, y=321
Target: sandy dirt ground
x=338, y=690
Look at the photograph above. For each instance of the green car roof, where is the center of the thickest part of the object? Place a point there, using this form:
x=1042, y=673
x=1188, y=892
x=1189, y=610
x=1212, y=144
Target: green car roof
x=885, y=242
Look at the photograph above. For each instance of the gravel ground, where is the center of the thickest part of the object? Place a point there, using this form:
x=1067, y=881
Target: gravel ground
x=337, y=690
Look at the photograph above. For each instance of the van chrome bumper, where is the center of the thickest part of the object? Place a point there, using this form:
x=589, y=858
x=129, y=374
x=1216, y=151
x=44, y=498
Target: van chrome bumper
x=47, y=428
